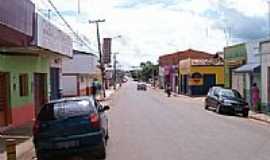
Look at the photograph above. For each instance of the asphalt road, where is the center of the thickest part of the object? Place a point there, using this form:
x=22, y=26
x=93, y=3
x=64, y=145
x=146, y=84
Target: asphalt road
x=150, y=126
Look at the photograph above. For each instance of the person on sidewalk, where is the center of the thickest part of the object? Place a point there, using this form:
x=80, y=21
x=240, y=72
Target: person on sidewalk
x=255, y=91
x=94, y=88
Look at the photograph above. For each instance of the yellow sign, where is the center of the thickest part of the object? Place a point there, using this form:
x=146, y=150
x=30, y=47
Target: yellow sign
x=195, y=82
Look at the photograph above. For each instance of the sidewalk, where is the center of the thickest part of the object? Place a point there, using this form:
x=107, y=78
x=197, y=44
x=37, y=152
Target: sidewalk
x=109, y=93
x=23, y=136
x=197, y=99
x=259, y=116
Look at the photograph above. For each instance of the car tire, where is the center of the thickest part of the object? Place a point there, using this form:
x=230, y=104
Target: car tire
x=219, y=109
x=41, y=157
x=206, y=106
x=245, y=114
x=101, y=152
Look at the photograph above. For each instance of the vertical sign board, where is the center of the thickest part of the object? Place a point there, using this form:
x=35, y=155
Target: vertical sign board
x=107, y=44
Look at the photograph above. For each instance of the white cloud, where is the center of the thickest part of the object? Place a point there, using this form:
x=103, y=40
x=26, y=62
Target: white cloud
x=152, y=30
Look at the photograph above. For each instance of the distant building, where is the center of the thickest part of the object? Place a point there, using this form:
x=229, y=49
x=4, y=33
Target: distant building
x=169, y=66
x=79, y=73
x=199, y=75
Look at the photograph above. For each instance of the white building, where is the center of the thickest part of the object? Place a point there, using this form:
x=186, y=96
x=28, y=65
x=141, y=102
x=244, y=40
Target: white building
x=265, y=69
x=79, y=73
x=250, y=72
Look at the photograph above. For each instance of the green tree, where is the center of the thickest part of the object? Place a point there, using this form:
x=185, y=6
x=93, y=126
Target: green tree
x=148, y=71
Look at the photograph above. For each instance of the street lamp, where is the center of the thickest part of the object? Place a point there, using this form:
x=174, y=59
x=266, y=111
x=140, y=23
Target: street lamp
x=114, y=70
x=114, y=64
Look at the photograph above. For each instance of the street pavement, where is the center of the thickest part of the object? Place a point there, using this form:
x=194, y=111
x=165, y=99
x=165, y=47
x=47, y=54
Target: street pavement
x=147, y=125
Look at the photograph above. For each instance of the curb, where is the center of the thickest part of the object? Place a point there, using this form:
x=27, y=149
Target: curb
x=259, y=119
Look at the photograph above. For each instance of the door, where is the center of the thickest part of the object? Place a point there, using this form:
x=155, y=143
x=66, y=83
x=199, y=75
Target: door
x=5, y=117
x=185, y=84
x=40, y=91
x=55, y=83
x=209, y=81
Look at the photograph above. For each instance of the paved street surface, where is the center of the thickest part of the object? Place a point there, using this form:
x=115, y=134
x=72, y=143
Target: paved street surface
x=150, y=126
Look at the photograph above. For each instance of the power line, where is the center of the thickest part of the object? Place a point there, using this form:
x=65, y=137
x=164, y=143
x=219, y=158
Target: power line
x=68, y=25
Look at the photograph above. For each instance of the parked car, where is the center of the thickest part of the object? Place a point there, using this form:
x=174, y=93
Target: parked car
x=141, y=86
x=72, y=126
x=226, y=100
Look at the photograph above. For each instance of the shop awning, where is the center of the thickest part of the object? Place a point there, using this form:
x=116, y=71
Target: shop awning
x=254, y=67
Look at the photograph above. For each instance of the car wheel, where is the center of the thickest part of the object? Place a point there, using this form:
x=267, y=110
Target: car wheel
x=245, y=114
x=218, y=109
x=101, y=152
x=206, y=106
x=42, y=157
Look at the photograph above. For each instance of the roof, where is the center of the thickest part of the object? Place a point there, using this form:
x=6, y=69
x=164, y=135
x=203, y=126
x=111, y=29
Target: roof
x=71, y=99
x=189, y=51
x=248, y=68
x=174, y=58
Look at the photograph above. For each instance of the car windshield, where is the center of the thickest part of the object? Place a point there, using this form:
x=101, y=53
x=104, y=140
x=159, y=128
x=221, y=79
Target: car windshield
x=230, y=93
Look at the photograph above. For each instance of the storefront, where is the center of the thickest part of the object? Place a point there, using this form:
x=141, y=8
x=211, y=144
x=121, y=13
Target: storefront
x=79, y=73
x=26, y=73
x=24, y=86
x=250, y=72
x=198, y=76
x=234, y=57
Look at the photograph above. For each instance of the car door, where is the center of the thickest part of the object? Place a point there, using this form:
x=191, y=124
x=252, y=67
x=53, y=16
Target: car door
x=211, y=98
x=216, y=94
x=208, y=97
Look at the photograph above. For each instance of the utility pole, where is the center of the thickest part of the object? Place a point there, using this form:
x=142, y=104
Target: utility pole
x=100, y=53
x=79, y=7
x=268, y=3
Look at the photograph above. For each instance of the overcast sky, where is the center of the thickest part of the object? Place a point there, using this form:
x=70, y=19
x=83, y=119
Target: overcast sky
x=150, y=28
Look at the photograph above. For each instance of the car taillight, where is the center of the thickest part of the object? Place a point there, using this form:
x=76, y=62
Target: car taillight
x=95, y=121
x=36, y=127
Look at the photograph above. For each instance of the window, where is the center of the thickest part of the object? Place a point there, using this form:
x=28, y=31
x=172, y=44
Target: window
x=66, y=109
x=23, y=85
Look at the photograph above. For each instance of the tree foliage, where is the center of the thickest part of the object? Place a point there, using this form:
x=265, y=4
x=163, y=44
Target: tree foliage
x=148, y=71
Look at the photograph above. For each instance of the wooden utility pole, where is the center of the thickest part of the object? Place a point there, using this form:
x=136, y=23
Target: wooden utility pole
x=100, y=54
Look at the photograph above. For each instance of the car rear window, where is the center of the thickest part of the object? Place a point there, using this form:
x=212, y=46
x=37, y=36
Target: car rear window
x=66, y=109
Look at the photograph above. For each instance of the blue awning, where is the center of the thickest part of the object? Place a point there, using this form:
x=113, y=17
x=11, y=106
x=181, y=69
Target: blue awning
x=254, y=67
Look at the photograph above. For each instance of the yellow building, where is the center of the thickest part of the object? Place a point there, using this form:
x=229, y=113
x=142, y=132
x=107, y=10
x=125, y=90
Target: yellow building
x=197, y=76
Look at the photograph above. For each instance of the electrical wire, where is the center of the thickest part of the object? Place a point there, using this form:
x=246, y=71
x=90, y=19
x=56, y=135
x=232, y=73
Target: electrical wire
x=76, y=35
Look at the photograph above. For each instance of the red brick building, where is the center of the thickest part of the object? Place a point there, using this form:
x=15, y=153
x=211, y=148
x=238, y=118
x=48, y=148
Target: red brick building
x=174, y=58
x=168, y=66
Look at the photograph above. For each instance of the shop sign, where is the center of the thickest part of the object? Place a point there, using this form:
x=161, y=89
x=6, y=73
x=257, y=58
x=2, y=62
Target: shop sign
x=107, y=44
x=51, y=38
x=196, y=79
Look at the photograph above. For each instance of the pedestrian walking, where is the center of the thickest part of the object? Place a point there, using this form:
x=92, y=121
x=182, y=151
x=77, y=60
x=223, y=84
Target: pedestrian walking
x=94, y=88
x=168, y=90
x=255, y=97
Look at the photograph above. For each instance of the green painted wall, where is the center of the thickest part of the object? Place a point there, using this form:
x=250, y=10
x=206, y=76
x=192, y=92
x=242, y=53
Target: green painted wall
x=233, y=53
x=17, y=65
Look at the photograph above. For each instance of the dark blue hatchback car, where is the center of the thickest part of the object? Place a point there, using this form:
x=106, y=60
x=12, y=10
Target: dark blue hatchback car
x=73, y=126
